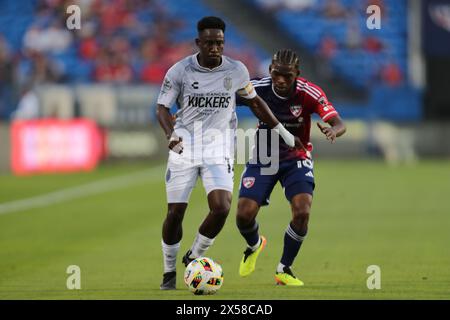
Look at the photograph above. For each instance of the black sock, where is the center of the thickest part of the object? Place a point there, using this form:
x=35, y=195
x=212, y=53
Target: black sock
x=292, y=244
x=250, y=234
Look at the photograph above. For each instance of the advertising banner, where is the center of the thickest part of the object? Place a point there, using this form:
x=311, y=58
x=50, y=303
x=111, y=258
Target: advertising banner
x=50, y=145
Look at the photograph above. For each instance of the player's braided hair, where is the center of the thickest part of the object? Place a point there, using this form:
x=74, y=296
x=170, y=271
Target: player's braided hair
x=286, y=57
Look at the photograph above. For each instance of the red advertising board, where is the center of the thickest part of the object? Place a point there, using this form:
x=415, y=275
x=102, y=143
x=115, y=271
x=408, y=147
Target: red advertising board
x=51, y=145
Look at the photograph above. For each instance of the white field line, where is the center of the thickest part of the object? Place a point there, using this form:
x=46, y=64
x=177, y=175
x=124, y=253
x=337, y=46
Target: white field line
x=84, y=190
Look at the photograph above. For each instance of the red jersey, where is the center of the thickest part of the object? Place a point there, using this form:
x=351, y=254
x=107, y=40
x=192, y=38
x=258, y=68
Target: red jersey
x=294, y=113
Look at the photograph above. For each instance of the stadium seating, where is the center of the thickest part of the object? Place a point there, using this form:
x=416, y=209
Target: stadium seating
x=72, y=65
x=366, y=66
x=14, y=26
x=376, y=61
x=359, y=66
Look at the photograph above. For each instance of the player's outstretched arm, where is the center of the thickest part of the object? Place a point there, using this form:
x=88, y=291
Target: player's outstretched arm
x=166, y=122
x=337, y=128
x=261, y=110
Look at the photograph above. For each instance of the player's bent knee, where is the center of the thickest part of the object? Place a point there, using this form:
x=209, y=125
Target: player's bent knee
x=301, y=216
x=243, y=220
x=221, y=212
x=300, y=221
x=219, y=202
x=221, y=209
x=300, y=213
x=175, y=213
x=301, y=207
x=246, y=212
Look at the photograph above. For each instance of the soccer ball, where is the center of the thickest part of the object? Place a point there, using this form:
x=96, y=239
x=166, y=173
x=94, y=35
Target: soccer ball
x=203, y=276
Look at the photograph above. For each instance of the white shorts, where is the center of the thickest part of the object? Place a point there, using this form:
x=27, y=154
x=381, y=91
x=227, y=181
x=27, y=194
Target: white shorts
x=181, y=179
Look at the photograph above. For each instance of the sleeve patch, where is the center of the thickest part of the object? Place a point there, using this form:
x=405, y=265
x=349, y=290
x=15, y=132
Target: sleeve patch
x=167, y=84
x=323, y=101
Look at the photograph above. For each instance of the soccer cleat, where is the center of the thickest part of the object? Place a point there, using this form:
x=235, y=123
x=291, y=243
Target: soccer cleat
x=248, y=262
x=287, y=278
x=169, y=281
x=186, y=260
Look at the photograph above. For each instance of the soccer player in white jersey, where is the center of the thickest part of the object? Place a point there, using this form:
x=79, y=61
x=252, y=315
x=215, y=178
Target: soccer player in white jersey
x=201, y=141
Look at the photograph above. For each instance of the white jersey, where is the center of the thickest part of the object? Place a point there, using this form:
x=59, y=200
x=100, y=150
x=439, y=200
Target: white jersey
x=206, y=117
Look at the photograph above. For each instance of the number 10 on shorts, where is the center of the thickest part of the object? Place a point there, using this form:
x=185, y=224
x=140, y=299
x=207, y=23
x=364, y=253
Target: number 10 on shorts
x=305, y=163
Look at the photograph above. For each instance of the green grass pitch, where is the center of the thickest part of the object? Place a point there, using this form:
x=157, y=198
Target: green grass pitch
x=364, y=213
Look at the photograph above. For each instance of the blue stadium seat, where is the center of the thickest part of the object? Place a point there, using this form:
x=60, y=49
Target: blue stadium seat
x=358, y=67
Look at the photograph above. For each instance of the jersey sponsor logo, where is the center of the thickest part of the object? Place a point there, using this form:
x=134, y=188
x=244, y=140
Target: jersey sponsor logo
x=296, y=110
x=248, y=182
x=291, y=125
x=208, y=102
x=227, y=83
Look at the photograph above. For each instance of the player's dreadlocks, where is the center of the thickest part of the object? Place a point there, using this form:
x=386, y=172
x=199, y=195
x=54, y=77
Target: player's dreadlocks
x=286, y=57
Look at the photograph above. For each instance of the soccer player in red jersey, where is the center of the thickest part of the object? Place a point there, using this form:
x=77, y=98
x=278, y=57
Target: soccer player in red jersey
x=292, y=100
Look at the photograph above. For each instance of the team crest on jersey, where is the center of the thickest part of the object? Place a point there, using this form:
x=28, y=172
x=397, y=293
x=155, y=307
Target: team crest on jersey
x=296, y=110
x=227, y=83
x=248, y=182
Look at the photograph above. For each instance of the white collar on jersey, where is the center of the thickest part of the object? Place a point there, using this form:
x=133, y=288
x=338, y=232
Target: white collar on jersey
x=278, y=96
x=194, y=57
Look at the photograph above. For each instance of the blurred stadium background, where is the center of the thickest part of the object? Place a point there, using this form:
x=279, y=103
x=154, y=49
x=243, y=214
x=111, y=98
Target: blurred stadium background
x=84, y=100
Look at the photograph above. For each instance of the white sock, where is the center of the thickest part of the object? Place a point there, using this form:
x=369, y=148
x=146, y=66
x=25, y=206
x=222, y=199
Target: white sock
x=280, y=268
x=256, y=246
x=170, y=256
x=200, y=245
